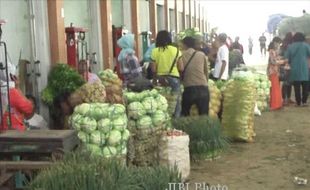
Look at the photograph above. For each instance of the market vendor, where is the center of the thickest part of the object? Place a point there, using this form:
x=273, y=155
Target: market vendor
x=20, y=106
x=86, y=72
x=35, y=121
x=129, y=65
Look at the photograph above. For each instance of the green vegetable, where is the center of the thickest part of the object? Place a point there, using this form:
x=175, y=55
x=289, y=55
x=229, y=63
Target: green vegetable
x=125, y=135
x=104, y=125
x=159, y=118
x=149, y=104
x=62, y=79
x=94, y=149
x=115, y=110
x=144, y=122
x=84, y=137
x=120, y=123
x=114, y=137
x=162, y=103
x=109, y=151
x=88, y=125
x=97, y=138
x=135, y=110
x=82, y=109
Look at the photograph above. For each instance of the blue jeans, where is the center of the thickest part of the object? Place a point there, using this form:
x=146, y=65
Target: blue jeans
x=174, y=84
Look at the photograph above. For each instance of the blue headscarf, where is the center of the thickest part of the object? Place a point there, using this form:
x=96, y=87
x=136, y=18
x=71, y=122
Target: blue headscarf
x=126, y=42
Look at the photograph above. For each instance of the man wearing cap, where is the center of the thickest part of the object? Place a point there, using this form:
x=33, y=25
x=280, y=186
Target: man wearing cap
x=222, y=59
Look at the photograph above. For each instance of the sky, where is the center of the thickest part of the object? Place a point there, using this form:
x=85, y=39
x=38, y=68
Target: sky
x=249, y=18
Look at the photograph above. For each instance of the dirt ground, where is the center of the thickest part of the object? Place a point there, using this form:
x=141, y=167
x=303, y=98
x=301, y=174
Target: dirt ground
x=280, y=152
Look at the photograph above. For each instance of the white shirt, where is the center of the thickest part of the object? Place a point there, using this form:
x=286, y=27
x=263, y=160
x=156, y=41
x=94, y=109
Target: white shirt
x=222, y=55
x=37, y=121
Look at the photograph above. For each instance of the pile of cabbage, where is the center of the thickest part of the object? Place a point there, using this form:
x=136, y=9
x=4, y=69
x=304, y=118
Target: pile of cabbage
x=171, y=98
x=263, y=85
x=214, y=101
x=147, y=109
x=113, y=85
x=238, y=109
x=102, y=128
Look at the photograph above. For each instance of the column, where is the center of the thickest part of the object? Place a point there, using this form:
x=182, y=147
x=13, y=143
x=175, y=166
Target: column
x=56, y=24
x=153, y=18
x=166, y=12
x=106, y=32
x=176, y=12
x=190, y=13
x=184, y=14
x=135, y=25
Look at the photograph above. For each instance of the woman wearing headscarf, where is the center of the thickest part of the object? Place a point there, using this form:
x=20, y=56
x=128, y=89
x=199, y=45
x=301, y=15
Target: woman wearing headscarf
x=129, y=64
x=298, y=54
x=20, y=106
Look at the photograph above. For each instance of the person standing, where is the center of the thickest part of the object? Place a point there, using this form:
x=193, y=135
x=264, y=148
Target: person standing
x=194, y=68
x=298, y=54
x=222, y=59
x=129, y=65
x=262, y=42
x=286, y=84
x=250, y=45
x=165, y=59
x=235, y=58
x=237, y=44
x=274, y=62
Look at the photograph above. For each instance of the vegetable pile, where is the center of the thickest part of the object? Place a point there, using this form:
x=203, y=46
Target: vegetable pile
x=238, y=109
x=263, y=91
x=102, y=128
x=190, y=32
x=170, y=97
x=91, y=93
x=147, y=109
x=113, y=86
x=62, y=79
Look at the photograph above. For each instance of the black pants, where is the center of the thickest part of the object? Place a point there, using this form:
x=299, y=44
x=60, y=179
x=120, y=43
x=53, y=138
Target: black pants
x=286, y=90
x=301, y=95
x=198, y=95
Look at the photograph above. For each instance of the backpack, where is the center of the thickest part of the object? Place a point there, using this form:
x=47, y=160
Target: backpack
x=130, y=65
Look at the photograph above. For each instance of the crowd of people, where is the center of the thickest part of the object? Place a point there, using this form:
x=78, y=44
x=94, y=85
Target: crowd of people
x=289, y=62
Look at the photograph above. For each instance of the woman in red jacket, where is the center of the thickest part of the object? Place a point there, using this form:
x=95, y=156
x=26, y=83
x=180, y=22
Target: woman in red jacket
x=20, y=106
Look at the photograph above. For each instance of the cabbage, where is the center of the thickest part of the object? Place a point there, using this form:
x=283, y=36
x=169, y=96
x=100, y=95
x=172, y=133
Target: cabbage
x=154, y=93
x=125, y=135
x=116, y=110
x=84, y=137
x=159, y=118
x=97, y=138
x=82, y=109
x=104, y=125
x=94, y=149
x=88, y=125
x=162, y=103
x=109, y=151
x=75, y=121
x=114, y=137
x=120, y=123
x=144, y=122
x=135, y=110
x=130, y=97
x=96, y=112
x=122, y=149
x=149, y=104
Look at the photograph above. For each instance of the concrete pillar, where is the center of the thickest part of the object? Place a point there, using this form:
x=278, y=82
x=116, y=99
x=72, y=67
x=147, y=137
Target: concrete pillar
x=56, y=23
x=106, y=32
x=190, y=13
x=135, y=25
x=153, y=17
x=166, y=13
x=176, y=13
x=184, y=14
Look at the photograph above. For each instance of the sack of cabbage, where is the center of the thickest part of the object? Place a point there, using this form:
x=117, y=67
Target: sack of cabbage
x=147, y=110
x=238, y=110
x=171, y=98
x=263, y=85
x=102, y=128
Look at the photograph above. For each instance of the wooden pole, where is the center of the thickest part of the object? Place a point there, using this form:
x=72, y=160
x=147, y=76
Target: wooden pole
x=184, y=15
x=56, y=23
x=153, y=17
x=106, y=31
x=176, y=13
x=135, y=25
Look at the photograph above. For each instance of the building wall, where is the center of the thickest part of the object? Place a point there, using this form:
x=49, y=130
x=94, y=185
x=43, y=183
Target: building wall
x=16, y=32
